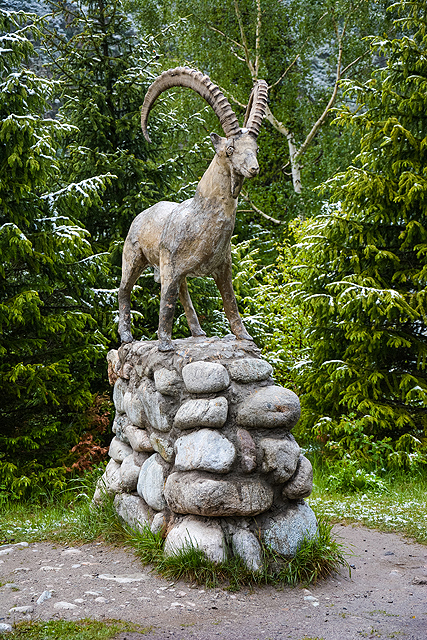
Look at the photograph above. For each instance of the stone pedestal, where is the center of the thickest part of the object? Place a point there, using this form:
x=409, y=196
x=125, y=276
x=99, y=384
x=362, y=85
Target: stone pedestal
x=203, y=449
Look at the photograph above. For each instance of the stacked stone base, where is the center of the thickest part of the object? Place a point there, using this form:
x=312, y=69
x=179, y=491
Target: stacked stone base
x=203, y=449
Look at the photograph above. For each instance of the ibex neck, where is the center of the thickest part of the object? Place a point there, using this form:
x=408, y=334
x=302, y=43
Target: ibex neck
x=217, y=183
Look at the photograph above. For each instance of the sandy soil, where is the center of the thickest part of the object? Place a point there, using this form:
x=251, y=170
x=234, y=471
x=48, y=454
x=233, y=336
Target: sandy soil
x=386, y=596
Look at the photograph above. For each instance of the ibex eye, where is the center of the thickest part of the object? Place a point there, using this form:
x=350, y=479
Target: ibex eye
x=229, y=151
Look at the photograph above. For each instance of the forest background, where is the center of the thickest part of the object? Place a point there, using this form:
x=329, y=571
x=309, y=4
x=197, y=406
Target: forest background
x=330, y=241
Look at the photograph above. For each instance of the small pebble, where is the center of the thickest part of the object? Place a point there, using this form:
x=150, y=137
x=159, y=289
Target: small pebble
x=64, y=605
x=43, y=597
x=25, y=609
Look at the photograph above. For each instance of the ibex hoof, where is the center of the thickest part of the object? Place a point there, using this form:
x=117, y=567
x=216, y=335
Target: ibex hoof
x=198, y=334
x=165, y=345
x=244, y=335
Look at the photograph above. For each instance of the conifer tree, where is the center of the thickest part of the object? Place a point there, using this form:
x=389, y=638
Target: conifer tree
x=49, y=341
x=105, y=70
x=365, y=275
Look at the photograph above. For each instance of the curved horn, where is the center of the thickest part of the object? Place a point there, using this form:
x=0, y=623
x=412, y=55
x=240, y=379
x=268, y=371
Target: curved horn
x=257, y=105
x=201, y=84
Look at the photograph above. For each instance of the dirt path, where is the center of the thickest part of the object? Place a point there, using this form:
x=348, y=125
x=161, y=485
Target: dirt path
x=385, y=597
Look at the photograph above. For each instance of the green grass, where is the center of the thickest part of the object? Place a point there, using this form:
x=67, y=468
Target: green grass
x=79, y=630
x=399, y=504
x=75, y=521
x=401, y=507
x=316, y=559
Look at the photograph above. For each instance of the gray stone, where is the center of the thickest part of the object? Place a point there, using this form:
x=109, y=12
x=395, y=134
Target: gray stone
x=269, y=408
x=154, y=407
x=151, y=482
x=285, y=532
x=246, y=546
x=204, y=450
x=135, y=409
x=64, y=605
x=280, y=457
x=118, y=451
x=301, y=483
x=191, y=492
x=159, y=523
x=205, y=377
x=5, y=628
x=120, y=389
x=249, y=370
x=140, y=457
x=167, y=382
x=126, y=371
x=23, y=609
x=138, y=438
x=129, y=472
x=123, y=579
x=132, y=509
x=111, y=480
x=113, y=359
x=162, y=446
x=204, y=535
x=43, y=597
x=247, y=448
x=202, y=413
x=120, y=423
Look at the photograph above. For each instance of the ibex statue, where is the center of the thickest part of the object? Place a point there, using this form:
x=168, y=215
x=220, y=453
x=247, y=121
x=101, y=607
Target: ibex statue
x=193, y=238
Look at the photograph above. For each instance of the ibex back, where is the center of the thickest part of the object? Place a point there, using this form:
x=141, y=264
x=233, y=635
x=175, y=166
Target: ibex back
x=193, y=238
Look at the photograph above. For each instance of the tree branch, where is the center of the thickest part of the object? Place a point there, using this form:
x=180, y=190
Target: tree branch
x=255, y=208
x=322, y=118
x=244, y=41
x=257, y=37
x=296, y=57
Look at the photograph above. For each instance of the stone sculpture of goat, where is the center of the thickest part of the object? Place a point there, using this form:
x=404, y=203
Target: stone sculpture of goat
x=193, y=238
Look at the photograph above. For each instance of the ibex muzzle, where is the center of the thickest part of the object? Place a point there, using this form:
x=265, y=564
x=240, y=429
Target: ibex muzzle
x=193, y=238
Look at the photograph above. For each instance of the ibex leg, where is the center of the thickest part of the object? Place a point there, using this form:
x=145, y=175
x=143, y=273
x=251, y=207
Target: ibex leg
x=170, y=290
x=223, y=279
x=190, y=312
x=131, y=271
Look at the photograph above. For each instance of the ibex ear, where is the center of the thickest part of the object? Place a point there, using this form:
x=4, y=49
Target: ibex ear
x=216, y=141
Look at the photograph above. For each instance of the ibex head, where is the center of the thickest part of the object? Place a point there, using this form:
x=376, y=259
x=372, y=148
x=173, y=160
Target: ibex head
x=239, y=147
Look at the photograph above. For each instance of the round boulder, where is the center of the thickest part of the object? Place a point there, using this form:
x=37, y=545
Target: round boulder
x=205, y=377
x=301, y=483
x=204, y=450
x=192, y=492
x=285, y=532
x=197, y=532
x=269, y=408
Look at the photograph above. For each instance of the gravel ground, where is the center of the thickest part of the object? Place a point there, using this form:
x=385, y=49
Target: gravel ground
x=385, y=597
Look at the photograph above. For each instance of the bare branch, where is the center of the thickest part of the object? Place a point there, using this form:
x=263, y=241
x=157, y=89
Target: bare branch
x=279, y=126
x=232, y=98
x=257, y=37
x=297, y=56
x=255, y=208
x=244, y=41
x=322, y=118
x=239, y=44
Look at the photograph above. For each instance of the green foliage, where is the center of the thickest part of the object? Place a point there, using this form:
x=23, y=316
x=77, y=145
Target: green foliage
x=350, y=444
x=105, y=71
x=49, y=341
x=276, y=322
x=294, y=46
x=365, y=274
x=79, y=630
